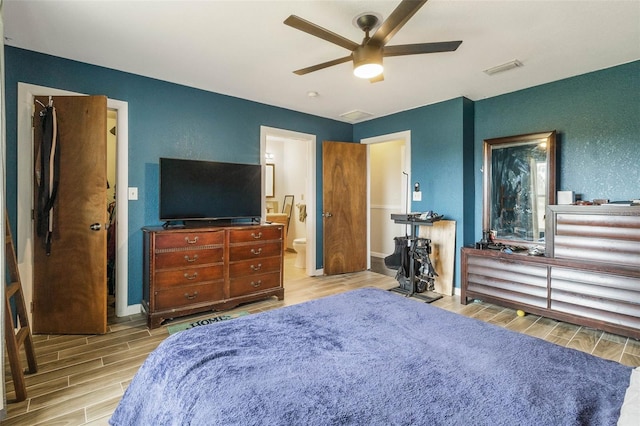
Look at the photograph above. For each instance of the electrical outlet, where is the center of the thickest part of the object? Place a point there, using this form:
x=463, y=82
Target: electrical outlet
x=417, y=195
x=133, y=193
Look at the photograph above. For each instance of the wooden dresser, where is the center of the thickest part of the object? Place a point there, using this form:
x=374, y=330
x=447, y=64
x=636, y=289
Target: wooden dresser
x=191, y=270
x=590, y=275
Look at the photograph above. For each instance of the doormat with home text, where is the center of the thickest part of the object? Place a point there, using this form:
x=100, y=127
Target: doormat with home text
x=187, y=325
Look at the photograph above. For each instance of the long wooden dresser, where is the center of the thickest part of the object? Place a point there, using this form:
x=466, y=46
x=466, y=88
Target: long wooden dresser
x=590, y=274
x=191, y=270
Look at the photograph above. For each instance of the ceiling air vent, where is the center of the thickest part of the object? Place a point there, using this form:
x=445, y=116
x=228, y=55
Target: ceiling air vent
x=355, y=115
x=504, y=67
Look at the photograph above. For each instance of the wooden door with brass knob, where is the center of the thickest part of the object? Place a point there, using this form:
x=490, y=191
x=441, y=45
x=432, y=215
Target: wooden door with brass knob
x=69, y=278
x=344, y=207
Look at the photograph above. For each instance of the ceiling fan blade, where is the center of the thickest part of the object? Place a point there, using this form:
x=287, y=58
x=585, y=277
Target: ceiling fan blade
x=315, y=30
x=405, y=10
x=416, y=49
x=317, y=67
x=377, y=78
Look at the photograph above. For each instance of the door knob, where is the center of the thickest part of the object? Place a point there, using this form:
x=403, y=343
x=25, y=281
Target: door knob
x=327, y=214
x=95, y=226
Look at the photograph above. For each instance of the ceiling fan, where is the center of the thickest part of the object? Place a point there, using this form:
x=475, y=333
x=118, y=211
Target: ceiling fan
x=367, y=56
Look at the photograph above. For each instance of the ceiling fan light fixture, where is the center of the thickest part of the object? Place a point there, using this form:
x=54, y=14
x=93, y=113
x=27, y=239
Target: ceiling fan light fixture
x=367, y=56
x=368, y=70
x=367, y=62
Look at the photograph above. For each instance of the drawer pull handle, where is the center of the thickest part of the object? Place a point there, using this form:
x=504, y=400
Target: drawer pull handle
x=256, y=284
x=191, y=296
x=256, y=236
x=195, y=240
x=191, y=277
x=191, y=259
x=256, y=268
x=256, y=252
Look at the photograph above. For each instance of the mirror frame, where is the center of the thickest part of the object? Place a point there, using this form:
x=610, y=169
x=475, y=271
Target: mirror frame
x=269, y=180
x=510, y=141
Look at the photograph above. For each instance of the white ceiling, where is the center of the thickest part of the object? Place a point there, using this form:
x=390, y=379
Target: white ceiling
x=243, y=49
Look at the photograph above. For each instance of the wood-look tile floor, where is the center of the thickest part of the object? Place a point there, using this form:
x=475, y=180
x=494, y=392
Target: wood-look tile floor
x=82, y=378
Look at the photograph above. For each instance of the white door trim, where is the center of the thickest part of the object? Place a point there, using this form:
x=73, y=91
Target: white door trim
x=24, y=239
x=310, y=190
x=403, y=136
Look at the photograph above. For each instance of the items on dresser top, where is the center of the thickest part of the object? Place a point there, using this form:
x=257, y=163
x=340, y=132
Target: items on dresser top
x=588, y=274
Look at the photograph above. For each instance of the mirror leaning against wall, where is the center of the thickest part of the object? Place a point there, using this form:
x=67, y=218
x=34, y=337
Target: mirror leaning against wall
x=519, y=182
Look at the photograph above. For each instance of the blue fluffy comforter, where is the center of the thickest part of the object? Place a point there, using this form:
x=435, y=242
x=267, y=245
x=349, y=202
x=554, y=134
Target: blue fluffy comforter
x=368, y=357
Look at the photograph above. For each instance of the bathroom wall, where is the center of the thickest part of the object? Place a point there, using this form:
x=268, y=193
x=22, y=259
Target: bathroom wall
x=290, y=159
x=386, y=163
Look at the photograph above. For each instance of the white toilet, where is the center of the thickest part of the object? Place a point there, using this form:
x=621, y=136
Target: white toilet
x=300, y=246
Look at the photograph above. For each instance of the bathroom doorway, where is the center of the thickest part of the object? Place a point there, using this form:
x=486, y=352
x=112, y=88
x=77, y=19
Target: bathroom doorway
x=293, y=158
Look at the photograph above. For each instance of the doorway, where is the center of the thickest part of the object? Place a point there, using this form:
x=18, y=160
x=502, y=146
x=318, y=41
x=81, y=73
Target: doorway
x=389, y=174
x=26, y=93
x=293, y=155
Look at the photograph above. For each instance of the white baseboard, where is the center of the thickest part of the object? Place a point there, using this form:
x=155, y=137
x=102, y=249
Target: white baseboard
x=130, y=310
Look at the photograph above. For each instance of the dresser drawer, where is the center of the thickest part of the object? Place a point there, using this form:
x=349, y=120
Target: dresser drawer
x=254, y=284
x=188, y=258
x=254, y=267
x=189, y=295
x=182, y=240
x=255, y=234
x=254, y=250
x=187, y=276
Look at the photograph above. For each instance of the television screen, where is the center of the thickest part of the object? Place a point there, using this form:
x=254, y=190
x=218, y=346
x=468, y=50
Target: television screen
x=208, y=190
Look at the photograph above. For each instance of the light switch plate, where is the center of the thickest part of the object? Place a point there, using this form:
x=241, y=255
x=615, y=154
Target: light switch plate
x=417, y=195
x=133, y=193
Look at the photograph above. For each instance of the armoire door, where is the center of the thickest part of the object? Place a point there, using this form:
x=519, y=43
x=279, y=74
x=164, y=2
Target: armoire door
x=69, y=281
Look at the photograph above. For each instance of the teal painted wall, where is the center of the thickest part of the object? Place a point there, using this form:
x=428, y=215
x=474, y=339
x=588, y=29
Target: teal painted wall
x=596, y=116
x=165, y=119
x=441, y=149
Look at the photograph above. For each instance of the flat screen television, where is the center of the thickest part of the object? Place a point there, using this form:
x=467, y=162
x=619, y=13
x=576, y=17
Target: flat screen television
x=196, y=190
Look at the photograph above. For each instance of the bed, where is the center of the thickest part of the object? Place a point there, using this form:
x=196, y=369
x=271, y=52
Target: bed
x=371, y=357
